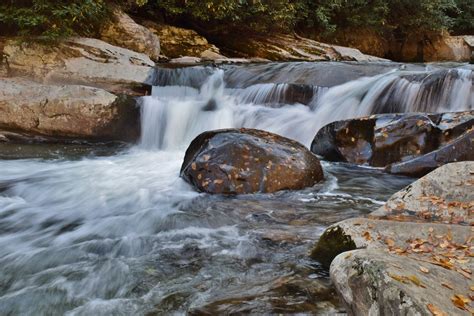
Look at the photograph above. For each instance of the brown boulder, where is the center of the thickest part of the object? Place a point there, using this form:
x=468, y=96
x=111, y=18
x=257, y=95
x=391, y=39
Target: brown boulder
x=65, y=111
x=123, y=31
x=241, y=161
x=414, y=143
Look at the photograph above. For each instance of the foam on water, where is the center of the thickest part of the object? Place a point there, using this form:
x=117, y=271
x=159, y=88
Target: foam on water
x=122, y=234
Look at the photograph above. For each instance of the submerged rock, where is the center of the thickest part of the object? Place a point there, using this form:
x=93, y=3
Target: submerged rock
x=241, y=161
x=411, y=144
x=83, y=61
x=66, y=111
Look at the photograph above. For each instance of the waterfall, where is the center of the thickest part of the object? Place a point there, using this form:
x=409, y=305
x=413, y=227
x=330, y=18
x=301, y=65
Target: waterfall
x=175, y=114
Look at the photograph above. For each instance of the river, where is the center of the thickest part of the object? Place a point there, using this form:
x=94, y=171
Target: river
x=107, y=229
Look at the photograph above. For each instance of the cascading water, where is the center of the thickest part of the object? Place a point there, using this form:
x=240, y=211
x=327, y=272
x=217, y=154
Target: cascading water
x=297, y=111
x=121, y=234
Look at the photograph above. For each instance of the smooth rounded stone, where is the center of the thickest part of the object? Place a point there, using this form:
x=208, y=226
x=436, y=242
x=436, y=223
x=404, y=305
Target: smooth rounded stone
x=414, y=143
x=66, y=111
x=242, y=161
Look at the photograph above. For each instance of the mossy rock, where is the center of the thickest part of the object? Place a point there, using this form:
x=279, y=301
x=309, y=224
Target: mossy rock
x=331, y=243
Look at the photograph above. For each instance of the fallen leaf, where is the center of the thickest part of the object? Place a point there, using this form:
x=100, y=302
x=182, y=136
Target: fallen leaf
x=390, y=242
x=447, y=285
x=414, y=279
x=366, y=235
x=460, y=301
x=424, y=270
x=348, y=256
x=435, y=310
x=399, y=278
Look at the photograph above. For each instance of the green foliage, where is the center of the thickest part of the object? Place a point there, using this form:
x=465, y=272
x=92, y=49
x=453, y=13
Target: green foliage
x=255, y=15
x=58, y=18
x=463, y=17
x=51, y=18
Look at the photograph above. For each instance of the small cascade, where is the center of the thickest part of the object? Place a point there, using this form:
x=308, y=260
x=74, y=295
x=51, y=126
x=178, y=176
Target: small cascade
x=297, y=108
x=173, y=116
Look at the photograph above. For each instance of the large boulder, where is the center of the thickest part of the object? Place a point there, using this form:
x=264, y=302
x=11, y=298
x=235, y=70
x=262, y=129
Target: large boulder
x=284, y=47
x=445, y=195
x=84, y=61
x=179, y=42
x=67, y=111
x=411, y=144
x=123, y=31
x=412, y=255
x=241, y=161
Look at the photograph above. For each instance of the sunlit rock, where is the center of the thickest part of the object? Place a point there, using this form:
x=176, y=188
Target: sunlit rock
x=66, y=111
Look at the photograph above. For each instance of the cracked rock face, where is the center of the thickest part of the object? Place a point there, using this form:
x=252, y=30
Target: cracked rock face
x=68, y=111
x=242, y=161
x=84, y=61
x=123, y=31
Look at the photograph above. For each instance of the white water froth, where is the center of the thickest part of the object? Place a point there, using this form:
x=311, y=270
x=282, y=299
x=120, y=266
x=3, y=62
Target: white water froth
x=172, y=120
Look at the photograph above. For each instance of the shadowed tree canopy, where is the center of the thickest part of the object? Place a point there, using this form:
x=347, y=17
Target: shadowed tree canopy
x=57, y=18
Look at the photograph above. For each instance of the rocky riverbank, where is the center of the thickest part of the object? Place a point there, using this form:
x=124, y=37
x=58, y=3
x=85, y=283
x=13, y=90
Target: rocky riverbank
x=413, y=255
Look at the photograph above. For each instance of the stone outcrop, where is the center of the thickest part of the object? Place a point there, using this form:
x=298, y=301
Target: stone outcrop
x=440, y=47
x=445, y=195
x=66, y=111
x=180, y=42
x=83, y=61
x=241, y=161
x=412, y=256
x=283, y=47
x=123, y=31
x=410, y=144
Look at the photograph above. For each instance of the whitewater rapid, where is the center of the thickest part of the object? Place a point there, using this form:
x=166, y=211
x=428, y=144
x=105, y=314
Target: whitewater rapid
x=123, y=234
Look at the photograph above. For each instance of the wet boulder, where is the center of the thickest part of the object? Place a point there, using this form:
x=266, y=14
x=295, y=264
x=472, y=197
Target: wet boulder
x=242, y=161
x=411, y=144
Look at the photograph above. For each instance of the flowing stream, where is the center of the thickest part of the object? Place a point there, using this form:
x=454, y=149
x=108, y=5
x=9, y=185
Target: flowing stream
x=91, y=229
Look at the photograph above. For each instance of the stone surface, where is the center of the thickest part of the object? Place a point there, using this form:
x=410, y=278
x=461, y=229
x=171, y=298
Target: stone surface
x=241, y=161
x=66, y=111
x=412, y=256
x=411, y=144
x=445, y=195
x=283, y=47
x=82, y=61
x=179, y=42
x=372, y=282
x=123, y=31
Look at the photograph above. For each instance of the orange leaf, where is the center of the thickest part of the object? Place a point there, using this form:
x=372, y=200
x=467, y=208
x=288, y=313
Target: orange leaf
x=447, y=285
x=460, y=301
x=435, y=310
x=366, y=235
